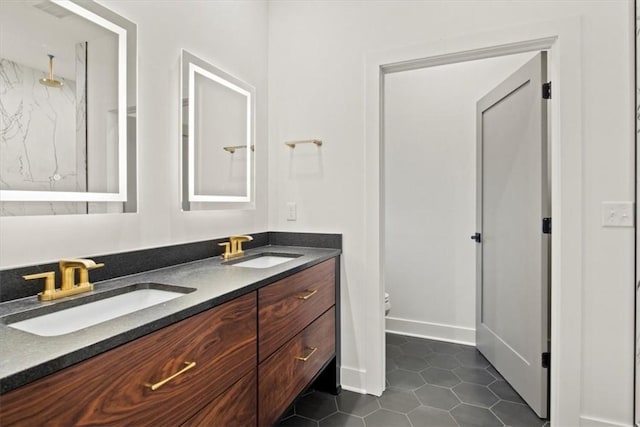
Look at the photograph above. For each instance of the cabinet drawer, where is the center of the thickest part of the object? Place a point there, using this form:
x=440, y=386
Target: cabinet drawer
x=110, y=389
x=287, y=306
x=282, y=376
x=236, y=407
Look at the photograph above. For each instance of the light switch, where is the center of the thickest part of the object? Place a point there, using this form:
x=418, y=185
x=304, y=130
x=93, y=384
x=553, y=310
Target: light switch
x=617, y=214
x=292, y=211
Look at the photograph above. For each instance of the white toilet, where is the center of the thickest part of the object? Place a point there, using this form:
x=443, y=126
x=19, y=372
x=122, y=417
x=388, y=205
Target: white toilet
x=387, y=304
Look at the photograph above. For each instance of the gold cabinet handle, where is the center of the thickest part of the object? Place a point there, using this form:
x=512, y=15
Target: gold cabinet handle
x=305, y=358
x=307, y=296
x=157, y=385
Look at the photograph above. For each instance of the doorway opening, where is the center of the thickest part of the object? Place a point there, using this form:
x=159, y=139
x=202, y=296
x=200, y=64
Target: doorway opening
x=432, y=116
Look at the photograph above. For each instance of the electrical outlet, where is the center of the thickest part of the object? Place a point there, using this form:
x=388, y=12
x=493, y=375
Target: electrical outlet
x=617, y=214
x=292, y=211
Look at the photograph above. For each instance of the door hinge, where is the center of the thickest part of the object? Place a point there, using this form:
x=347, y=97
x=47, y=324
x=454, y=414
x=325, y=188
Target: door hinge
x=477, y=237
x=546, y=225
x=546, y=90
x=546, y=360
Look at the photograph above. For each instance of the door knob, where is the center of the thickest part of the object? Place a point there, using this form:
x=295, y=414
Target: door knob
x=477, y=237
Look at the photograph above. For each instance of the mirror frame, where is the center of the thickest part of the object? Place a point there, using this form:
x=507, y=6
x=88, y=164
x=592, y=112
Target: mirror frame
x=127, y=95
x=189, y=66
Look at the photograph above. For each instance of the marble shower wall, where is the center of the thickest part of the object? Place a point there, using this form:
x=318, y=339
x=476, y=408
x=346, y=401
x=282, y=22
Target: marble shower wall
x=44, y=135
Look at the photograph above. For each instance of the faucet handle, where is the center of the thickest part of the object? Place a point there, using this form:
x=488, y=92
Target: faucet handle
x=49, y=283
x=96, y=265
x=227, y=249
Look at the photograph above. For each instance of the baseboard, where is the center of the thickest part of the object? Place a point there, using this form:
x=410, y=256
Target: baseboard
x=598, y=422
x=435, y=331
x=353, y=379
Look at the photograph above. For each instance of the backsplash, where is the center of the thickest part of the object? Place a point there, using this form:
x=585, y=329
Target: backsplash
x=13, y=286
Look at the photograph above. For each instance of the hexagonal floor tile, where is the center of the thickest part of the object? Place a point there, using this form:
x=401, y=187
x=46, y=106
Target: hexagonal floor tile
x=472, y=416
x=439, y=376
x=425, y=416
x=411, y=363
x=385, y=418
x=515, y=414
x=436, y=397
x=474, y=375
x=495, y=373
x=342, y=420
x=393, y=350
x=296, y=421
x=395, y=339
x=408, y=380
x=475, y=394
x=447, y=347
x=416, y=349
x=391, y=365
x=398, y=400
x=444, y=361
x=504, y=391
x=316, y=406
x=357, y=404
x=472, y=359
x=290, y=412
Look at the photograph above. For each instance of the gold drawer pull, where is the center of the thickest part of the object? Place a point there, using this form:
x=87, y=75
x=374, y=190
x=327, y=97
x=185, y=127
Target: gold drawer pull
x=307, y=296
x=305, y=358
x=157, y=385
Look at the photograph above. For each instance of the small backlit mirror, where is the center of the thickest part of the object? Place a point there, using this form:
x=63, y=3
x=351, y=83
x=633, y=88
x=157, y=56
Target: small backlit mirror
x=217, y=137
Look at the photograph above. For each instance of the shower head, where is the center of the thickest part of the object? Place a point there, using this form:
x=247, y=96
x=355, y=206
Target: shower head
x=50, y=81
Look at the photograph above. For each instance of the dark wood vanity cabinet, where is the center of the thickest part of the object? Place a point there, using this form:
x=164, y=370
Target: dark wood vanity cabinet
x=296, y=336
x=113, y=388
x=234, y=408
x=242, y=363
x=289, y=305
x=286, y=373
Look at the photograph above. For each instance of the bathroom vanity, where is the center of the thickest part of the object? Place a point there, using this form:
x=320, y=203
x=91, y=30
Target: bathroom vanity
x=236, y=351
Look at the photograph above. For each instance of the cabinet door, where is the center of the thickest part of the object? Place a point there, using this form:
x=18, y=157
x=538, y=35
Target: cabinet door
x=112, y=388
x=286, y=373
x=289, y=305
x=236, y=407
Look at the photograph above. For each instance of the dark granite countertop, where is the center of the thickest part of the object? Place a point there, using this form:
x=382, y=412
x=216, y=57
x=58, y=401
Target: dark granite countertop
x=25, y=357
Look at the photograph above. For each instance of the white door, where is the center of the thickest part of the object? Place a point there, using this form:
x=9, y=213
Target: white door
x=513, y=253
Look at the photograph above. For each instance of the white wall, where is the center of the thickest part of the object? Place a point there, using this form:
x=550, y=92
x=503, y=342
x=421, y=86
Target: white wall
x=430, y=195
x=231, y=35
x=316, y=66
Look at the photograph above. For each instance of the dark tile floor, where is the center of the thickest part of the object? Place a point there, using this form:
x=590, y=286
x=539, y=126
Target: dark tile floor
x=429, y=383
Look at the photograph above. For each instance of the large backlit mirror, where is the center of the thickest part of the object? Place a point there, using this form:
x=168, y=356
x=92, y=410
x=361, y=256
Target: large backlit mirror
x=68, y=102
x=218, y=142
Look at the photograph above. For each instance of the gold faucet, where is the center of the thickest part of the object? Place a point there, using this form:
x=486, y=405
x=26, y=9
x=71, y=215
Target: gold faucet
x=68, y=285
x=233, y=248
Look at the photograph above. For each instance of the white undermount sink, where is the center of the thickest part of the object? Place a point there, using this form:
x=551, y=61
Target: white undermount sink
x=265, y=261
x=78, y=317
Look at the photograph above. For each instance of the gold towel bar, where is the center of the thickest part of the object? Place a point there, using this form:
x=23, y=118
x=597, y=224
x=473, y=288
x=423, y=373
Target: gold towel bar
x=293, y=144
x=232, y=149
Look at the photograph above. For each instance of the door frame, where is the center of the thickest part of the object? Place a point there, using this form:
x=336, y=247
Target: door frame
x=562, y=39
